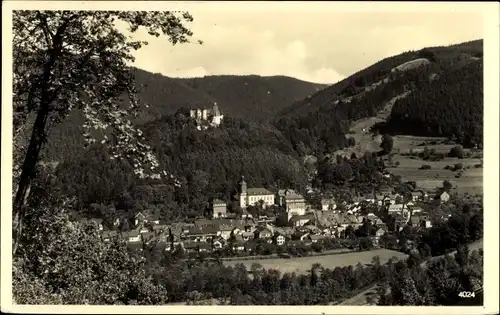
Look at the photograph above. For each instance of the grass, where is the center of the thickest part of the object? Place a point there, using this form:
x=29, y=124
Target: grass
x=303, y=264
x=471, y=180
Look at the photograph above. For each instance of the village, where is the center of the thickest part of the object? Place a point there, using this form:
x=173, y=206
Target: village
x=295, y=222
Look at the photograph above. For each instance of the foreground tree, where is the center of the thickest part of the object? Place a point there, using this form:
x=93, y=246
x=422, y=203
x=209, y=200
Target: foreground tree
x=66, y=60
x=65, y=262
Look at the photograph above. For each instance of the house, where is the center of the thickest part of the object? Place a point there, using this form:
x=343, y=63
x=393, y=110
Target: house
x=95, y=222
x=389, y=200
x=328, y=204
x=304, y=237
x=246, y=215
x=142, y=228
x=201, y=233
x=225, y=230
x=415, y=209
x=295, y=204
x=254, y=196
x=251, y=246
x=219, y=208
x=369, y=198
x=280, y=239
x=146, y=237
x=247, y=236
x=117, y=222
x=301, y=220
x=354, y=221
x=426, y=223
x=204, y=247
x=400, y=221
x=133, y=236
x=264, y=232
x=281, y=194
x=317, y=238
x=395, y=208
x=379, y=199
x=160, y=228
x=108, y=235
x=444, y=197
x=238, y=243
x=416, y=196
x=218, y=244
x=311, y=228
x=378, y=234
x=190, y=247
x=142, y=218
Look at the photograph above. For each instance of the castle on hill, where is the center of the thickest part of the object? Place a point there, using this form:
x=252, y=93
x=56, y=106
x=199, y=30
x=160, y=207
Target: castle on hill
x=212, y=116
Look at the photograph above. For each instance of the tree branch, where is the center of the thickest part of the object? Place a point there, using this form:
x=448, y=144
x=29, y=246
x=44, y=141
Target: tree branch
x=49, y=37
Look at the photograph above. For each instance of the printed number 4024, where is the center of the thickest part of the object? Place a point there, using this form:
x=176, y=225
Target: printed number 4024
x=466, y=294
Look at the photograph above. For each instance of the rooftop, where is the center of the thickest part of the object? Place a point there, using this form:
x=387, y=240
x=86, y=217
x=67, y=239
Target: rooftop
x=258, y=191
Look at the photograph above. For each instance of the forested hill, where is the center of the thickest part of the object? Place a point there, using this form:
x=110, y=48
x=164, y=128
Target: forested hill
x=251, y=97
x=318, y=122
x=450, y=106
x=248, y=96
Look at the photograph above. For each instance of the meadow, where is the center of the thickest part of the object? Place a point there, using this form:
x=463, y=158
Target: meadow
x=303, y=264
x=470, y=181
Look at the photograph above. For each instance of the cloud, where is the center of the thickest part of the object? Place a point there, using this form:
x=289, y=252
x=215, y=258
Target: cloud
x=322, y=47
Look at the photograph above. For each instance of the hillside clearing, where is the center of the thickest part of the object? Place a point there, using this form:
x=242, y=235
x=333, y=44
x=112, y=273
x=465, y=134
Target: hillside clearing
x=303, y=264
x=411, y=64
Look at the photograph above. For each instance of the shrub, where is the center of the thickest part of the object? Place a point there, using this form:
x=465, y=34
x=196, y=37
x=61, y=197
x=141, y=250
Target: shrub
x=458, y=166
x=457, y=151
x=425, y=167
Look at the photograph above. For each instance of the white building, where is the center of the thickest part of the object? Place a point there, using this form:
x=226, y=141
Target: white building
x=213, y=116
x=254, y=196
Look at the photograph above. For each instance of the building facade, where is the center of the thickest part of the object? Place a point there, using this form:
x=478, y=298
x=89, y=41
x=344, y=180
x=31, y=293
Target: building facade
x=213, y=116
x=219, y=208
x=254, y=196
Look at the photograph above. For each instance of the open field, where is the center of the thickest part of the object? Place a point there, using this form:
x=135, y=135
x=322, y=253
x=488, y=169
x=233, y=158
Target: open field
x=470, y=182
x=303, y=264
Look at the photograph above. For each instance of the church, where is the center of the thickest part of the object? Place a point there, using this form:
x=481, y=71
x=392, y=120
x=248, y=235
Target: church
x=253, y=196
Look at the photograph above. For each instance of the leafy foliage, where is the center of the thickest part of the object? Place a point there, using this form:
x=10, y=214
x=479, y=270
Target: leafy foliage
x=65, y=262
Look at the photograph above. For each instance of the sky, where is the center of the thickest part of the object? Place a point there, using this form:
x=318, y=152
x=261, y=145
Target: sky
x=319, y=45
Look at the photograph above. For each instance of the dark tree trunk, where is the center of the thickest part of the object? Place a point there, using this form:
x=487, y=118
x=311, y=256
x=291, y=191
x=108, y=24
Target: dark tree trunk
x=38, y=137
x=28, y=173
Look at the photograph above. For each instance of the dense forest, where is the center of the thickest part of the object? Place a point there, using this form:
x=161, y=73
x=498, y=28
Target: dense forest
x=440, y=90
x=449, y=106
x=209, y=164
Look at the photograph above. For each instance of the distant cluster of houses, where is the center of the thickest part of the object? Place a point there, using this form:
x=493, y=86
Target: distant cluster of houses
x=242, y=233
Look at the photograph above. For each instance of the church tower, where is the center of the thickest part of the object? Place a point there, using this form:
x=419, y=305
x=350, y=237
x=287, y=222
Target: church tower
x=243, y=192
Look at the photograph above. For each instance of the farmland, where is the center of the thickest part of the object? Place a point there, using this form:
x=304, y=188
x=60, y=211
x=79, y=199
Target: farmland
x=303, y=264
x=471, y=180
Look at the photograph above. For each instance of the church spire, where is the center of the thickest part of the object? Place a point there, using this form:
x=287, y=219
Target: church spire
x=243, y=185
